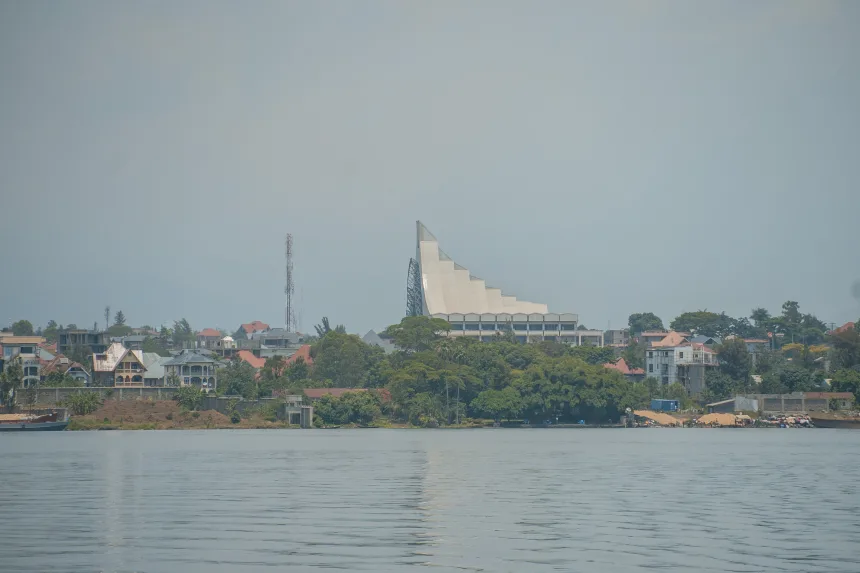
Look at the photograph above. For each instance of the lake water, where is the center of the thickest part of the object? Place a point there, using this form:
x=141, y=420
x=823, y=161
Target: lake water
x=455, y=500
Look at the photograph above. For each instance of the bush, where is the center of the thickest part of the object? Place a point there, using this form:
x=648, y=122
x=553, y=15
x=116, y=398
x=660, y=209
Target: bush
x=189, y=397
x=83, y=403
x=169, y=416
x=195, y=415
x=235, y=418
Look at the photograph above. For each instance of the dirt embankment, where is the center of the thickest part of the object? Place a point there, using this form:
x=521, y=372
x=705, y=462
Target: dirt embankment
x=159, y=415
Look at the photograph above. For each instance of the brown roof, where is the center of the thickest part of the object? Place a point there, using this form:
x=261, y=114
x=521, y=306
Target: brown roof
x=671, y=339
x=255, y=326
x=209, y=333
x=621, y=366
x=844, y=327
x=249, y=357
x=304, y=352
x=60, y=364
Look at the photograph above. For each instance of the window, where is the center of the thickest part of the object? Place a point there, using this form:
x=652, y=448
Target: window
x=473, y=326
x=568, y=326
x=536, y=326
x=664, y=369
x=486, y=326
x=650, y=354
x=680, y=355
x=665, y=379
x=456, y=326
x=550, y=326
x=650, y=368
x=519, y=326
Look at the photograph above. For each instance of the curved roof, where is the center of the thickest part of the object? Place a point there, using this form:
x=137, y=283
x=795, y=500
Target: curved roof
x=450, y=288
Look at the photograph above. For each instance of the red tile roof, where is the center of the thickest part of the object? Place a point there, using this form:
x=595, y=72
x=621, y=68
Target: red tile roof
x=249, y=357
x=50, y=347
x=844, y=327
x=209, y=333
x=255, y=326
x=304, y=352
x=621, y=366
x=671, y=339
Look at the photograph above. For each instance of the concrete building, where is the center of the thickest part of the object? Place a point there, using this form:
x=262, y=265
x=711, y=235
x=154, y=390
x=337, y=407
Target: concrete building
x=676, y=359
x=25, y=348
x=473, y=308
x=68, y=339
x=132, y=341
x=617, y=338
x=254, y=327
x=209, y=338
x=193, y=369
x=118, y=366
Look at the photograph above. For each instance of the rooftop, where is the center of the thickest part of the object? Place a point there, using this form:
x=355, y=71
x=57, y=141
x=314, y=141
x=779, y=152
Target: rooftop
x=189, y=357
x=249, y=357
x=621, y=366
x=107, y=361
x=254, y=326
x=210, y=333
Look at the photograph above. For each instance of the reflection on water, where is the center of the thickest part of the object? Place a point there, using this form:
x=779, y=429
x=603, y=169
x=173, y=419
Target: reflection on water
x=395, y=500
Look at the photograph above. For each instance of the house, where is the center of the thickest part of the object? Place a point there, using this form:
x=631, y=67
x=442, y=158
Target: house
x=248, y=356
x=192, y=369
x=671, y=339
x=154, y=362
x=254, y=327
x=118, y=366
x=617, y=338
x=63, y=365
x=632, y=374
x=649, y=337
x=209, y=338
x=685, y=363
x=27, y=349
x=67, y=339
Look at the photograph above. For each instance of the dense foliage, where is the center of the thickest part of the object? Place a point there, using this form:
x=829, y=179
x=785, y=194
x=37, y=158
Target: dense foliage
x=83, y=403
x=189, y=397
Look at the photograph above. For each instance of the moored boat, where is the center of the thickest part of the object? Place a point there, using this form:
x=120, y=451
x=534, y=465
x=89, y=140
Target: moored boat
x=52, y=421
x=824, y=421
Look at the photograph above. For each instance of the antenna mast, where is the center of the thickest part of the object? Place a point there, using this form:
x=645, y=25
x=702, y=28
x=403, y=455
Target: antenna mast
x=289, y=286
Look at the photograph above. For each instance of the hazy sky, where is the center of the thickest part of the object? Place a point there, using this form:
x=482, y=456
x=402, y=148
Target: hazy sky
x=602, y=157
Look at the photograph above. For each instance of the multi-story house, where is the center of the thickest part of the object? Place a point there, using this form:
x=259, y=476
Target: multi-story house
x=25, y=348
x=685, y=363
x=118, y=366
x=209, y=338
x=68, y=339
x=254, y=328
x=192, y=369
x=617, y=338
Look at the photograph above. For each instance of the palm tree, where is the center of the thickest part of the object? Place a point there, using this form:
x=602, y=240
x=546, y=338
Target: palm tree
x=325, y=328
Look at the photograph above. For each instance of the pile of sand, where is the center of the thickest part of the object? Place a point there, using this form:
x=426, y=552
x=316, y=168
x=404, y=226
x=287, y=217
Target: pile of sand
x=659, y=417
x=718, y=419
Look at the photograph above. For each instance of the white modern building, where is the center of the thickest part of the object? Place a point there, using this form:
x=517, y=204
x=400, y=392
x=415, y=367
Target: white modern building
x=676, y=359
x=450, y=292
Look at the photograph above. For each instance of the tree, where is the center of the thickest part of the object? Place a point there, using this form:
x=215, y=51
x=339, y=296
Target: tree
x=417, y=333
x=50, y=332
x=119, y=318
x=183, y=334
x=846, y=380
x=643, y=321
x=634, y=354
x=57, y=379
x=119, y=330
x=344, y=359
x=189, y=397
x=325, y=328
x=718, y=386
x=703, y=322
x=735, y=361
x=156, y=345
x=11, y=379
x=498, y=404
x=846, y=349
x=760, y=316
x=237, y=379
x=22, y=328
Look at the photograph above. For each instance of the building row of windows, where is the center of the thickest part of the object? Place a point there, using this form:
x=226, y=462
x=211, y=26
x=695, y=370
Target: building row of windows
x=521, y=326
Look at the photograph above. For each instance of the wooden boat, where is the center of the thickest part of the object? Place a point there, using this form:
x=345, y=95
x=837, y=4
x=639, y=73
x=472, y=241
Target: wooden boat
x=51, y=422
x=825, y=421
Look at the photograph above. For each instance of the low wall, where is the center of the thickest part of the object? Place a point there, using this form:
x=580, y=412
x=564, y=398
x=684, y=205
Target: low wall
x=55, y=396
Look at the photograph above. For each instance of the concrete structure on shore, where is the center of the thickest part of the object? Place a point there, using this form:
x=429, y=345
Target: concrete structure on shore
x=676, y=359
x=473, y=308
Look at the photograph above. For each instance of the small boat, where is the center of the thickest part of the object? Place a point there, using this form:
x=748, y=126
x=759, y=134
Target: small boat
x=51, y=422
x=824, y=421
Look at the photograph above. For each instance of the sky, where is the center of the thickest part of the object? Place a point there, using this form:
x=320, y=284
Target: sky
x=604, y=158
